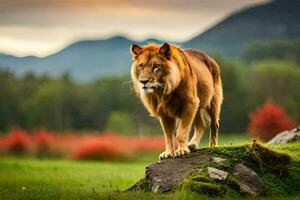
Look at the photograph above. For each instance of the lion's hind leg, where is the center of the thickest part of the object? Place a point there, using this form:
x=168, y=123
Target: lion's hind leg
x=214, y=113
x=199, y=122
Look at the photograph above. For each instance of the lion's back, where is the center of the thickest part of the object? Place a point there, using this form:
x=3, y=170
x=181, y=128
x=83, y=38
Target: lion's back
x=207, y=70
x=209, y=63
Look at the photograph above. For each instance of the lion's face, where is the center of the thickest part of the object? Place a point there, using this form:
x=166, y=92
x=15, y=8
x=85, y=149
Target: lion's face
x=151, y=67
x=148, y=69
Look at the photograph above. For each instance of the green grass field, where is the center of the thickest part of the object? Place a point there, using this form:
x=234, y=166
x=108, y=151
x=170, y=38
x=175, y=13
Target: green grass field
x=64, y=179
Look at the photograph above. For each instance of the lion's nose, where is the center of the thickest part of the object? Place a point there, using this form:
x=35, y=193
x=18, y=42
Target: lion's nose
x=144, y=81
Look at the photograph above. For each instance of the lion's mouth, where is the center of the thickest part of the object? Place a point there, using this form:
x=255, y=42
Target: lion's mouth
x=150, y=87
x=144, y=87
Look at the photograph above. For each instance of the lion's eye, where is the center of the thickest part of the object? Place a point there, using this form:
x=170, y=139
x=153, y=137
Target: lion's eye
x=155, y=66
x=140, y=66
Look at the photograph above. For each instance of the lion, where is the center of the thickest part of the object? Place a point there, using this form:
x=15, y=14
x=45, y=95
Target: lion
x=180, y=87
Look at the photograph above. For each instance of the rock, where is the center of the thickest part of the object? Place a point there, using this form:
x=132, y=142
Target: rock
x=200, y=171
x=215, y=173
x=248, y=180
x=218, y=159
x=286, y=136
x=165, y=175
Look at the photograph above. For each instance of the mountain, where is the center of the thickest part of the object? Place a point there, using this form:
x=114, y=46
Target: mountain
x=87, y=60
x=272, y=20
x=84, y=60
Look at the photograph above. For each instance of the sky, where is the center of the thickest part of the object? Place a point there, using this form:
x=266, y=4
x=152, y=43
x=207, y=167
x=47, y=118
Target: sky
x=42, y=27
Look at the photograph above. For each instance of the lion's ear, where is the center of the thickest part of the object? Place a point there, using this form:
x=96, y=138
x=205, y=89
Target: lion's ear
x=136, y=49
x=165, y=50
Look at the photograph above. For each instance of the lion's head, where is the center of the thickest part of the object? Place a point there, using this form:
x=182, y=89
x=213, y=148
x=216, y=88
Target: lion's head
x=154, y=68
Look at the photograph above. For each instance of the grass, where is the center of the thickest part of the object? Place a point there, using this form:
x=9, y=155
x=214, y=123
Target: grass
x=61, y=179
x=64, y=179
x=58, y=179
x=227, y=140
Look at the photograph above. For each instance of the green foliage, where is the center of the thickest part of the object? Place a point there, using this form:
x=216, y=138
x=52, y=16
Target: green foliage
x=120, y=122
x=279, y=48
x=62, y=104
x=277, y=79
x=234, y=109
x=9, y=104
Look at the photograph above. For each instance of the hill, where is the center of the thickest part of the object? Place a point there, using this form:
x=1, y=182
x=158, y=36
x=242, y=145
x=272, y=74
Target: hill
x=276, y=19
x=84, y=60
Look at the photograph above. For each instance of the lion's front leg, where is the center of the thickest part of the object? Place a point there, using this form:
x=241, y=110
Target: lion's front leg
x=186, y=121
x=168, y=124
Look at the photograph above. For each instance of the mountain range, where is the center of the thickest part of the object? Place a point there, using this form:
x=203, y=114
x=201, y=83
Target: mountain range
x=83, y=60
x=90, y=59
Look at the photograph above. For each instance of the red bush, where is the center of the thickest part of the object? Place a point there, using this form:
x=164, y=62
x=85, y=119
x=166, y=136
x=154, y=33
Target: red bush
x=268, y=120
x=111, y=146
x=42, y=141
x=98, y=151
x=144, y=144
x=17, y=142
x=81, y=146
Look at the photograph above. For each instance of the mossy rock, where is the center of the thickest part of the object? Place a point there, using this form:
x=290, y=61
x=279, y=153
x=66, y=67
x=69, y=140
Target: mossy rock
x=190, y=172
x=207, y=188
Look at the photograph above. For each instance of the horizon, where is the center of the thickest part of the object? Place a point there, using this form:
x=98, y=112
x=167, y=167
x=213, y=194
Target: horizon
x=40, y=28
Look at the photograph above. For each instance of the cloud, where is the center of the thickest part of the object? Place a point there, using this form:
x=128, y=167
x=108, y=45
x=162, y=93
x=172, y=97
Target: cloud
x=74, y=12
x=58, y=22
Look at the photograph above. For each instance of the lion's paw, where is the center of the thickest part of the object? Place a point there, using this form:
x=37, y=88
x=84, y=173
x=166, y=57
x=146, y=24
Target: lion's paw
x=181, y=152
x=192, y=146
x=165, y=154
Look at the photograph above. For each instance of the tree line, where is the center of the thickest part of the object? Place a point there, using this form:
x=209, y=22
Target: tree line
x=110, y=103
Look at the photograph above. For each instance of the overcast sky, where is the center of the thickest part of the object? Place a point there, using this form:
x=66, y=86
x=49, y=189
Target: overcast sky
x=42, y=27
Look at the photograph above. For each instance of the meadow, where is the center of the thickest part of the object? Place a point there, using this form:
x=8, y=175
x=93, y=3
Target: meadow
x=22, y=178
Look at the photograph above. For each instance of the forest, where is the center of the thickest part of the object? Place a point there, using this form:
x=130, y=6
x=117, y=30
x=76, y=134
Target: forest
x=266, y=70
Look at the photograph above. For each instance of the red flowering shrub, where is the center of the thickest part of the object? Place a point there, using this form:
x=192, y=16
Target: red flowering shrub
x=98, y=151
x=42, y=141
x=111, y=146
x=17, y=142
x=144, y=144
x=41, y=138
x=2, y=142
x=269, y=120
x=79, y=146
